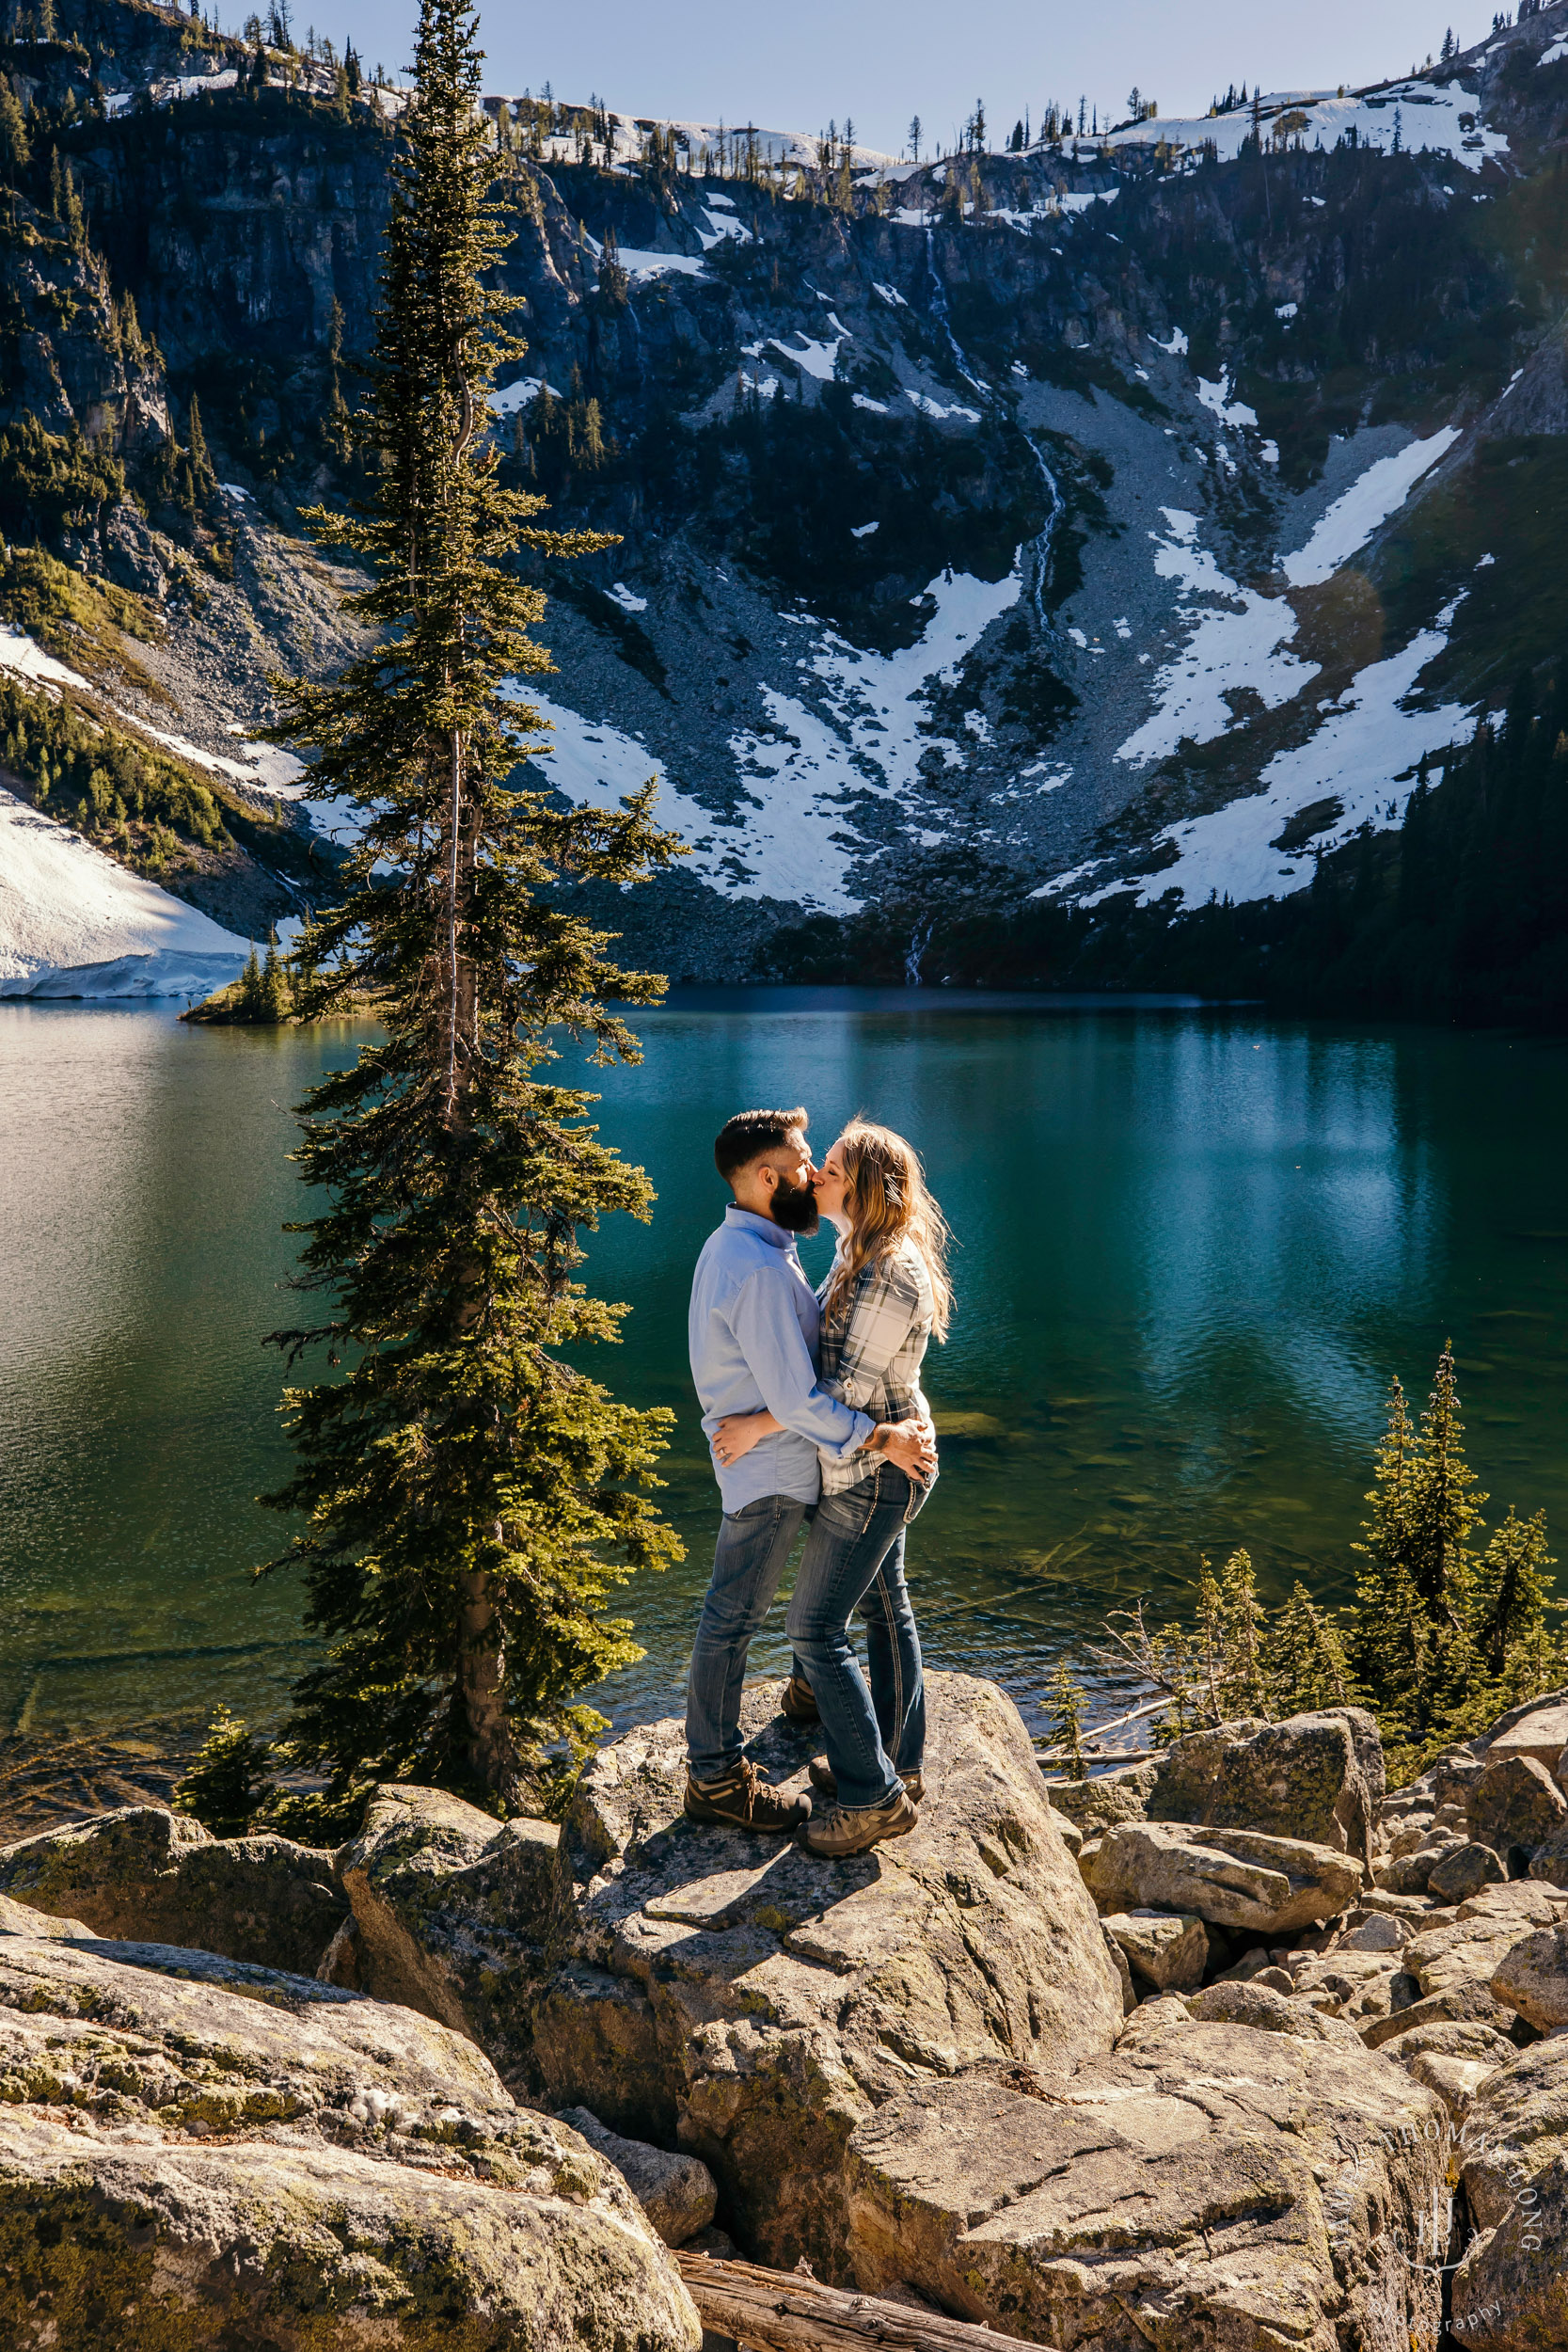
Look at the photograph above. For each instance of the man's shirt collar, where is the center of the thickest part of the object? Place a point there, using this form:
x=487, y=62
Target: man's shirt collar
x=747, y=1221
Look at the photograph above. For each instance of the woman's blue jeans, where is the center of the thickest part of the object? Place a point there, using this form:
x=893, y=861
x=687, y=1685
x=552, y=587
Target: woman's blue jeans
x=854, y=1559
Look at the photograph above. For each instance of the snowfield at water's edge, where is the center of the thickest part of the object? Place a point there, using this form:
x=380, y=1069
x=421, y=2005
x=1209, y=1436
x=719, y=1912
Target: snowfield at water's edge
x=73, y=923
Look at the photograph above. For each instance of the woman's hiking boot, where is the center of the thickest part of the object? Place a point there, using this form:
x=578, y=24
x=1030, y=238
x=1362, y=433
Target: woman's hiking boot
x=853, y=1829
x=825, y=1781
x=743, y=1800
x=798, y=1700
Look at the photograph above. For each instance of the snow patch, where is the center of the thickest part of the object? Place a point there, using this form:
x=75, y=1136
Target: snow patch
x=930, y=407
x=878, y=407
x=1238, y=639
x=68, y=914
x=1375, y=495
x=1363, y=756
x=864, y=531
x=623, y=597
x=1177, y=347
x=1217, y=397
x=1432, y=118
x=890, y=294
x=820, y=359
x=522, y=395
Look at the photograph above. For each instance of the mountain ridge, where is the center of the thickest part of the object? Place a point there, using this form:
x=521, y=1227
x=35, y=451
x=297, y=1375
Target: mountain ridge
x=968, y=508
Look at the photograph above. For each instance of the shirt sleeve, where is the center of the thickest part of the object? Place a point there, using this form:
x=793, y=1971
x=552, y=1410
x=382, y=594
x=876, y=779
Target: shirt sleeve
x=886, y=1309
x=768, y=1333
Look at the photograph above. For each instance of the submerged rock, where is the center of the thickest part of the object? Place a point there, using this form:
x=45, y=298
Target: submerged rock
x=1319, y=1778
x=734, y=1994
x=1207, y=2186
x=1235, y=1878
x=451, y=1909
x=159, y=1877
x=194, y=2151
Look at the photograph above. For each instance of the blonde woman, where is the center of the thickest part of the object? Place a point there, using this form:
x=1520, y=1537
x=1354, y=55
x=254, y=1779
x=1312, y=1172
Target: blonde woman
x=886, y=1292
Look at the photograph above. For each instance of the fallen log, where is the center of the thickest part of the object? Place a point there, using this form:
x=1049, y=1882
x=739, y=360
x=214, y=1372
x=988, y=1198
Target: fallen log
x=789, y=2310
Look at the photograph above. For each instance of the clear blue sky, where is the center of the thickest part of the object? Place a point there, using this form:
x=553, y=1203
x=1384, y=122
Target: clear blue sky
x=791, y=66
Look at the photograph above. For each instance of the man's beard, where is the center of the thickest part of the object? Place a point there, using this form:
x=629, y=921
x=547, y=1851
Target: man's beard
x=795, y=1207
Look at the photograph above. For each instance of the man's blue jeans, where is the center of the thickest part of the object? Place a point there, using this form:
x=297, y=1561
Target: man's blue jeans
x=854, y=1558
x=748, y=1561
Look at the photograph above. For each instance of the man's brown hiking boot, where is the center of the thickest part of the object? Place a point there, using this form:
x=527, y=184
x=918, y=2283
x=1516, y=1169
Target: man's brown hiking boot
x=852, y=1828
x=743, y=1800
x=823, y=1778
x=798, y=1702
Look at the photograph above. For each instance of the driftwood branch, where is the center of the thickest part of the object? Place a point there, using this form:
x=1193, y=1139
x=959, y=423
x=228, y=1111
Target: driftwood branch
x=789, y=2310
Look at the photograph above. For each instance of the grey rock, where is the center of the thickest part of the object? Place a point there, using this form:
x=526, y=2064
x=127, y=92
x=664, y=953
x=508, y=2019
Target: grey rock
x=1524, y=1902
x=17, y=1919
x=1464, y=1872
x=1456, y=2080
x=1235, y=1878
x=1462, y=2038
x=146, y=1872
x=195, y=2151
x=1380, y=1931
x=1072, y=1837
x=1124, y=1972
x=677, y=2192
x=451, y=1909
x=1408, y=1837
x=1319, y=1778
x=733, y=1994
x=1167, y=1949
x=1268, y=2009
x=1517, y=1805
x=1094, y=1803
x=1538, y=1729
x=1470, y=1998
x=1511, y=2291
x=1357, y=1986
x=1518, y=2126
x=1466, y=1953
x=1186, y=2191
x=1549, y=1863
x=1532, y=1977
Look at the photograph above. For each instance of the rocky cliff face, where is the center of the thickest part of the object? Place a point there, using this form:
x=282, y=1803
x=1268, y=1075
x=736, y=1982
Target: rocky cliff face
x=1020, y=524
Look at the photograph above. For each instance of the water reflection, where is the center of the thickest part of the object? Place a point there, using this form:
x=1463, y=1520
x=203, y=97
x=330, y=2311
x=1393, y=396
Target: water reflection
x=1194, y=1245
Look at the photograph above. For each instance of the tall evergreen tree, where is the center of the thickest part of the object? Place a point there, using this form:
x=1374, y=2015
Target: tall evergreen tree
x=469, y=1497
x=1303, y=1657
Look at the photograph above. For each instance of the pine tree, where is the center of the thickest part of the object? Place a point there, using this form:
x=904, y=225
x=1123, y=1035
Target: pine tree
x=228, y=1778
x=1064, y=1720
x=1245, y=1686
x=1387, y=1637
x=274, y=989
x=1511, y=1606
x=470, y=1498
x=16, y=148
x=249, y=1001
x=1303, y=1658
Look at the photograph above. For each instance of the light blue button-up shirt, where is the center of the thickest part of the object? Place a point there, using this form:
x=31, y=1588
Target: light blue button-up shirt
x=754, y=1334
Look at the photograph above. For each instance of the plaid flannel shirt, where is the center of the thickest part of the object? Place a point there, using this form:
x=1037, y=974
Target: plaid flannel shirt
x=873, y=1345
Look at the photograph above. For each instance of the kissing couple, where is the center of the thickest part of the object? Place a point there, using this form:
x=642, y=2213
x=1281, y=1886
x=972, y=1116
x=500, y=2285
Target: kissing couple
x=813, y=1409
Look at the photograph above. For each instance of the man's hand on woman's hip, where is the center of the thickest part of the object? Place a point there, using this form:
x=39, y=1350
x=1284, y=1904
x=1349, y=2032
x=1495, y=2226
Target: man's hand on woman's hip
x=908, y=1445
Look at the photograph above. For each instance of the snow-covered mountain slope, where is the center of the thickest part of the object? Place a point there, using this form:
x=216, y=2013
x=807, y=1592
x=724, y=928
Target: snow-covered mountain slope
x=1112, y=519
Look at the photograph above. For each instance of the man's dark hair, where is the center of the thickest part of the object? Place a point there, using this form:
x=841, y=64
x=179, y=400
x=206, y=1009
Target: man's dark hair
x=748, y=1135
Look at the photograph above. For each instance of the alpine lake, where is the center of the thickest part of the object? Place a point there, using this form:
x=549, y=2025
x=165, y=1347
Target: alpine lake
x=1194, y=1244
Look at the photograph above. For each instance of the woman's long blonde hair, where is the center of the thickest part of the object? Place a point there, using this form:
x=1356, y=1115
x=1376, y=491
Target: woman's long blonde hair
x=886, y=1198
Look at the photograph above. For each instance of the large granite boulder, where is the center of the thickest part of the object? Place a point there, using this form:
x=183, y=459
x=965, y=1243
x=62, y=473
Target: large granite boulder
x=159, y=1877
x=1208, y=2187
x=1532, y=1977
x=734, y=1996
x=1266, y=2009
x=1516, y=1806
x=451, y=1910
x=17, y=1919
x=1464, y=1870
x=1319, y=1778
x=1539, y=1729
x=1094, y=1803
x=1234, y=1878
x=1511, y=2291
x=195, y=2152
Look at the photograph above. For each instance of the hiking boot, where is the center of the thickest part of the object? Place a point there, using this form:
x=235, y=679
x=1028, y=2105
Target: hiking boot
x=743, y=1800
x=852, y=1828
x=798, y=1702
x=823, y=1778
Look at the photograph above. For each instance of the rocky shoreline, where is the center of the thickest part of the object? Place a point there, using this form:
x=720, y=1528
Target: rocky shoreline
x=1233, y=2049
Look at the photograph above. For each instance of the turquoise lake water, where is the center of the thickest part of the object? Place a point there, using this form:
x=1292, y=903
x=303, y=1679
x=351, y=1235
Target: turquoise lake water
x=1195, y=1244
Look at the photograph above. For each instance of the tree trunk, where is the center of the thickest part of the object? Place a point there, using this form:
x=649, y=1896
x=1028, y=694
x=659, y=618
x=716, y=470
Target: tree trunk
x=480, y=1676
x=789, y=2310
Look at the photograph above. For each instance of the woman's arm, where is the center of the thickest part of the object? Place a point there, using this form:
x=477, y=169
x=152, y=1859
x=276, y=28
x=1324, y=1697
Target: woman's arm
x=737, y=1433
